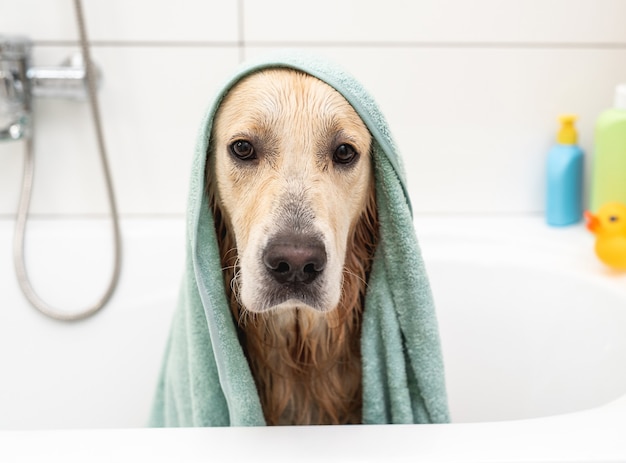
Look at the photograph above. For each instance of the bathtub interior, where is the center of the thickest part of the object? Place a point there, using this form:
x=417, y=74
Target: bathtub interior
x=531, y=324
x=100, y=372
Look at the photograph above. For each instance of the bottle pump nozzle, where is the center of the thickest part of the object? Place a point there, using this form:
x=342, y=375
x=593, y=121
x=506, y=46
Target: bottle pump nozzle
x=567, y=134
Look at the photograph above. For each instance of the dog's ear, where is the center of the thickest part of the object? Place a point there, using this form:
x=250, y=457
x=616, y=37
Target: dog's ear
x=225, y=239
x=221, y=227
x=360, y=252
x=366, y=231
x=208, y=167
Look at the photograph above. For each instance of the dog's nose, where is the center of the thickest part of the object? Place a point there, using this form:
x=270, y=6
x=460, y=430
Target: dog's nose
x=295, y=258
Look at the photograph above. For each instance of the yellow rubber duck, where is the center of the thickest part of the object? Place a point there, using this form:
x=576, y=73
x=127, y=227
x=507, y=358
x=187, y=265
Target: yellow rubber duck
x=609, y=226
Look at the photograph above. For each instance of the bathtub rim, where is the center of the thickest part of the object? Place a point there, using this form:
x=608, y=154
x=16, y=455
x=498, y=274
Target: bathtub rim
x=591, y=435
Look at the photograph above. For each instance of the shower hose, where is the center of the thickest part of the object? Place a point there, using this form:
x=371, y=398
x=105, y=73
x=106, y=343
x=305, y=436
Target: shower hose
x=26, y=193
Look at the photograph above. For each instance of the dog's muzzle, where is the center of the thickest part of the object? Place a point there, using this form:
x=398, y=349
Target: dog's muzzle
x=294, y=260
x=294, y=266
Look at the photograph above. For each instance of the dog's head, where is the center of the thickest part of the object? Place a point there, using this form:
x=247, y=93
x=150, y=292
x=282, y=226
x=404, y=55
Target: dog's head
x=291, y=172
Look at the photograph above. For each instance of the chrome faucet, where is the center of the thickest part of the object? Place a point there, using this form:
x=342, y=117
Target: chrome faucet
x=19, y=83
x=15, y=93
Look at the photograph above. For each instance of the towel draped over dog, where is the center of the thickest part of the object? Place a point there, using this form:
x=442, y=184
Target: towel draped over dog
x=205, y=378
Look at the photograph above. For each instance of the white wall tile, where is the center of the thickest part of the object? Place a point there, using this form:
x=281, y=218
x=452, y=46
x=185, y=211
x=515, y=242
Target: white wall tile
x=474, y=126
x=499, y=21
x=163, y=21
x=154, y=110
x=120, y=21
x=471, y=89
x=11, y=169
x=39, y=19
x=151, y=112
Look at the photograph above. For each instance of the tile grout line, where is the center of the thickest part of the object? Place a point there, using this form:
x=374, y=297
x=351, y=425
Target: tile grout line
x=444, y=44
x=137, y=43
x=241, y=33
x=241, y=44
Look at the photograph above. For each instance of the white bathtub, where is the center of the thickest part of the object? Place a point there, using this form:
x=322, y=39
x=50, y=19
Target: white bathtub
x=533, y=330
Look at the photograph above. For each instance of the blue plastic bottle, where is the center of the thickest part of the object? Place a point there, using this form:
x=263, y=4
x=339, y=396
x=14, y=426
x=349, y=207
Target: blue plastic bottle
x=565, y=177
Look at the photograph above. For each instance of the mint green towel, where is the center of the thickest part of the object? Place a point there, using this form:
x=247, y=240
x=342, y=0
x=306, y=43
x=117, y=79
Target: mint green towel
x=205, y=379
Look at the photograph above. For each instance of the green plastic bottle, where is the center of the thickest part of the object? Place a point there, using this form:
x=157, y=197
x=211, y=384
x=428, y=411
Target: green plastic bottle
x=608, y=181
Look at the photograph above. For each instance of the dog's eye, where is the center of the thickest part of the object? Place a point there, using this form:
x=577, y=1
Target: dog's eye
x=243, y=150
x=344, y=154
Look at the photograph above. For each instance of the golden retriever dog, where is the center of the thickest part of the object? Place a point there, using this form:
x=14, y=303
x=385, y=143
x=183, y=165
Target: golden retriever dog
x=290, y=181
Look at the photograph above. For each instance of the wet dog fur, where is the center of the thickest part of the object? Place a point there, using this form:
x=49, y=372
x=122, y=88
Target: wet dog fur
x=290, y=182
